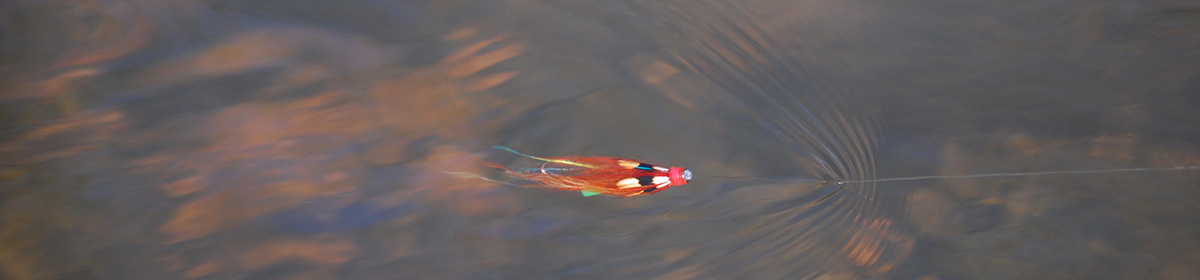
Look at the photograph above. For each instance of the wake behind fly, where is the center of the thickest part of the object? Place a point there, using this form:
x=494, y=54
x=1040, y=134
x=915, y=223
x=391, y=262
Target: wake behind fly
x=1018, y=174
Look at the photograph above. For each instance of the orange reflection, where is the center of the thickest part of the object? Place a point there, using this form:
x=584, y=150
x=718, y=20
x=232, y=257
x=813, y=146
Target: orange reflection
x=121, y=28
x=65, y=138
x=1119, y=148
x=320, y=250
x=202, y=270
x=262, y=157
x=878, y=248
x=225, y=166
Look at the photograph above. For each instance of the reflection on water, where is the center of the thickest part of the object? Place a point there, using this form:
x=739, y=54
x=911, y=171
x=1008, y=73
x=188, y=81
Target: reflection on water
x=344, y=139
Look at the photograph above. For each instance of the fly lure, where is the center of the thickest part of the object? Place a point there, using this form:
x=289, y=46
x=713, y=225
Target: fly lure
x=615, y=177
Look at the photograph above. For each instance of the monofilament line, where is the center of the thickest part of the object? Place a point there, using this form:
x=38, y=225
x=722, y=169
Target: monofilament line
x=1138, y=169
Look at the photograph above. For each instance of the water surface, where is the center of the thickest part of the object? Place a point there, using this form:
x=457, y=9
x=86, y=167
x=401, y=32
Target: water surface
x=345, y=140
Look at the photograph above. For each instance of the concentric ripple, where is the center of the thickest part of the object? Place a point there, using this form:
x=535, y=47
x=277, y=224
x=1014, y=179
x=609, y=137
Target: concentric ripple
x=833, y=229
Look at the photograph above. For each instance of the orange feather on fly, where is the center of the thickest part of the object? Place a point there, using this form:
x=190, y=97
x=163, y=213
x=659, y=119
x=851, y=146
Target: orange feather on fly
x=615, y=177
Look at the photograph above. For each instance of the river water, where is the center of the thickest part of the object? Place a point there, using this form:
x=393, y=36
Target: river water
x=350, y=139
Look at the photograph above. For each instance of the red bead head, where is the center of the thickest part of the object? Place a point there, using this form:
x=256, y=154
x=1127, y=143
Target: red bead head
x=679, y=176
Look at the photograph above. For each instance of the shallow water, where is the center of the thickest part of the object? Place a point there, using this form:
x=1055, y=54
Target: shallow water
x=347, y=140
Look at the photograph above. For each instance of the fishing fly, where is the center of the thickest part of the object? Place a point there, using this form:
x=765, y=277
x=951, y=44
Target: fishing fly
x=616, y=177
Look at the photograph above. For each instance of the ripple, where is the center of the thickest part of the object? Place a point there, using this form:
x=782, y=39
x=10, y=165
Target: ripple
x=827, y=229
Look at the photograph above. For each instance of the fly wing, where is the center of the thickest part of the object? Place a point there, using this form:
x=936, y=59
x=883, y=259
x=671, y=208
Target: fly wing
x=596, y=175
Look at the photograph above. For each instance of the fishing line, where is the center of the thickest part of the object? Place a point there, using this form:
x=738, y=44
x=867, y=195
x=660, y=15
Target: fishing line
x=1017, y=174
x=984, y=175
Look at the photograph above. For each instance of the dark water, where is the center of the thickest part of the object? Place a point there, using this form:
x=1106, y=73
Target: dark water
x=345, y=139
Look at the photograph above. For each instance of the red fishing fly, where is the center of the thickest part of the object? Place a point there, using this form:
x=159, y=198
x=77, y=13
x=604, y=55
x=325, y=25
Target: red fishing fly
x=600, y=175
